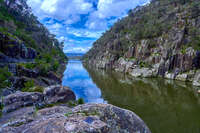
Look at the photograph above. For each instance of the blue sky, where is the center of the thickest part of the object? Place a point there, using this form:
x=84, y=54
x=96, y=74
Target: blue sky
x=80, y=22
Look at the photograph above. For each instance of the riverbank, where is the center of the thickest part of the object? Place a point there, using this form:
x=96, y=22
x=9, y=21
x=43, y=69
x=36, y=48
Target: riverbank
x=128, y=66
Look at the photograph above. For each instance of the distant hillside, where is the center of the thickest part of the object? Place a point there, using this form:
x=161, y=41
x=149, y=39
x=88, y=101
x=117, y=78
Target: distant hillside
x=29, y=54
x=77, y=56
x=163, y=37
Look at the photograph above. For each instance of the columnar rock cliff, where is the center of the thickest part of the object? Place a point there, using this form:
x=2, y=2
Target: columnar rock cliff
x=158, y=39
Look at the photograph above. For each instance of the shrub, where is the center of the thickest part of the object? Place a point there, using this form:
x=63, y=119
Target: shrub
x=72, y=103
x=55, y=65
x=44, y=68
x=28, y=65
x=80, y=101
x=48, y=58
x=4, y=76
x=28, y=85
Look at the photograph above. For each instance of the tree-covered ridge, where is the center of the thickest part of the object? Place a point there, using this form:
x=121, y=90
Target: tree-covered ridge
x=18, y=21
x=27, y=48
x=161, y=38
x=149, y=22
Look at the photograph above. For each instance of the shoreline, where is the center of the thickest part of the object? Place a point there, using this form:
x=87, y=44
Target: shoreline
x=193, y=76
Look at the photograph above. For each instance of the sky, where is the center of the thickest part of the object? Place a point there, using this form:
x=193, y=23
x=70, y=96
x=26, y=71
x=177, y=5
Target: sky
x=79, y=23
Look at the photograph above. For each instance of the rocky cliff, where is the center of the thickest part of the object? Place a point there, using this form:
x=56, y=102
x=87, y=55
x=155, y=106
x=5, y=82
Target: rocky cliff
x=158, y=39
x=30, y=56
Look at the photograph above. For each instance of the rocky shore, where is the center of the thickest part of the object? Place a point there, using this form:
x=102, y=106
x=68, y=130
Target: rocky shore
x=130, y=67
x=52, y=111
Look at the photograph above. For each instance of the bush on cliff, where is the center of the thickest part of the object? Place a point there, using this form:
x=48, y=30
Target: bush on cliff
x=4, y=76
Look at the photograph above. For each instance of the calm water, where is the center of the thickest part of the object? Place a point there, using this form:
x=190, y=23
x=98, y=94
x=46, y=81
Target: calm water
x=165, y=106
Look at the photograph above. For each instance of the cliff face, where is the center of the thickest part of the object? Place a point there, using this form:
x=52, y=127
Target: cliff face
x=29, y=54
x=158, y=39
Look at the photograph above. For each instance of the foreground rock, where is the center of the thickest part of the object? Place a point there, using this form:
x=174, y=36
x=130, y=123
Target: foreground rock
x=89, y=118
x=57, y=93
x=52, y=94
x=21, y=99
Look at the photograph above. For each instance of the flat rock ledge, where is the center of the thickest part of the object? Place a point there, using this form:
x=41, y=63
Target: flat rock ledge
x=86, y=118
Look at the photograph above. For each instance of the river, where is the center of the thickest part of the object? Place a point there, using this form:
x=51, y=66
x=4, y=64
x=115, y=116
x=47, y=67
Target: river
x=166, y=106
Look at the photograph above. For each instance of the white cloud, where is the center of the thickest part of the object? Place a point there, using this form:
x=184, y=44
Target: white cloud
x=84, y=32
x=60, y=9
x=49, y=6
x=106, y=9
x=77, y=50
x=73, y=21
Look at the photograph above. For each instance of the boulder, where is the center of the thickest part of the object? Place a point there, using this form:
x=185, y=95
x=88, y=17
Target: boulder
x=6, y=91
x=52, y=94
x=182, y=77
x=21, y=99
x=170, y=75
x=57, y=93
x=87, y=118
x=142, y=72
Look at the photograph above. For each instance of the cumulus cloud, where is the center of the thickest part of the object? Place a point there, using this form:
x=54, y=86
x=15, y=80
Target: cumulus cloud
x=77, y=50
x=109, y=9
x=60, y=9
x=80, y=22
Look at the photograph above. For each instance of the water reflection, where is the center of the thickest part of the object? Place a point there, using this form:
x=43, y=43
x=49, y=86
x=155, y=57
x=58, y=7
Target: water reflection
x=78, y=79
x=166, y=106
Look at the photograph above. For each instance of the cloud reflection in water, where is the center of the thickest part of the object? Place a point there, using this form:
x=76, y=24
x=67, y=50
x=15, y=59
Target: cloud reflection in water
x=78, y=79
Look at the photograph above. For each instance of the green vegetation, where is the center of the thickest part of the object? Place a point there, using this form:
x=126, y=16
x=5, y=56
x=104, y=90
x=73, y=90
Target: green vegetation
x=28, y=65
x=160, y=18
x=4, y=15
x=80, y=101
x=28, y=85
x=4, y=76
x=69, y=114
x=144, y=64
x=33, y=34
x=26, y=37
x=72, y=104
x=75, y=103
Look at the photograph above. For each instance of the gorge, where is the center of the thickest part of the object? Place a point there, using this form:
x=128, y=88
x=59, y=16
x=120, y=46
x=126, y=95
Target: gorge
x=141, y=76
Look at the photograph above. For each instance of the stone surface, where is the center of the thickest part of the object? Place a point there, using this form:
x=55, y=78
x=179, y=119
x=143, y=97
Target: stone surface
x=196, y=81
x=21, y=99
x=170, y=75
x=52, y=94
x=87, y=118
x=142, y=72
x=182, y=77
x=12, y=48
x=31, y=73
x=58, y=93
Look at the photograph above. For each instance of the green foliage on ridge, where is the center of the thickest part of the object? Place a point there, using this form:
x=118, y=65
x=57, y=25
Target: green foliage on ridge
x=148, y=23
x=4, y=76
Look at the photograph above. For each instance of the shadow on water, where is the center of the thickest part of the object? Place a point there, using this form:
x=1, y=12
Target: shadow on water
x=166, y=106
